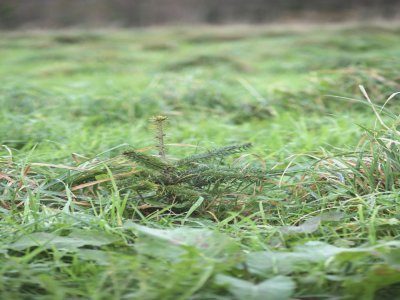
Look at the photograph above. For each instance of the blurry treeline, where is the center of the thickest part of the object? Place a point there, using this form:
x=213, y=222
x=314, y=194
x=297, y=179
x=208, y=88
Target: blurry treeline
x=125, y=13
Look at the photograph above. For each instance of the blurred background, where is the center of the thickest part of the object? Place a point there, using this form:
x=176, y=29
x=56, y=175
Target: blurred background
x=69, y=83
x=17, y=14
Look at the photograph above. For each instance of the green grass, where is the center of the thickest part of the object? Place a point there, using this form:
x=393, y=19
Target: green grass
x=323, y=223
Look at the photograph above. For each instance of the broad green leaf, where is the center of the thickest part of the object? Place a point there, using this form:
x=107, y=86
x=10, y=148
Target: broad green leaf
x=209, y=243
x=319, y=251
x=76, y=239
x=266, y=262
x=263, y=263
x=277, y=288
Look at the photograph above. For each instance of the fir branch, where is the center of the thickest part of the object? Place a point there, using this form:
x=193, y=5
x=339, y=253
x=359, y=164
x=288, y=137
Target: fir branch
x=148, y=161
x=217, y=153
x=180, y=193
x=137, y=184
x=203, y=175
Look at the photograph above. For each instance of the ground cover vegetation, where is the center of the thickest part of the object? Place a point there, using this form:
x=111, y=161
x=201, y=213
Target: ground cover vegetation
x=203, y=163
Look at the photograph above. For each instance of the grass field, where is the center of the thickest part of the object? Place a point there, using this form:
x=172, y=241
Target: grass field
x=310, y=211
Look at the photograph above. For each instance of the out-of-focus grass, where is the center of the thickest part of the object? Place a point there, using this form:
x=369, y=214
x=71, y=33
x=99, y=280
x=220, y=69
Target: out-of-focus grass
x=293, y=93
x=65, y=86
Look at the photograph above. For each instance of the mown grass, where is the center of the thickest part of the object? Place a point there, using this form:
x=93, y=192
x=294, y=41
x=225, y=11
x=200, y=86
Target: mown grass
x=324, y=222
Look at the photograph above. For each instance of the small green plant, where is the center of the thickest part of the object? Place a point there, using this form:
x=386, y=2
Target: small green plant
x=162, y=181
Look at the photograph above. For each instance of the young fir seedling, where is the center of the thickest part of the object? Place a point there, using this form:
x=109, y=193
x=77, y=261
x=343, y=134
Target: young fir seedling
x=163, y=182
